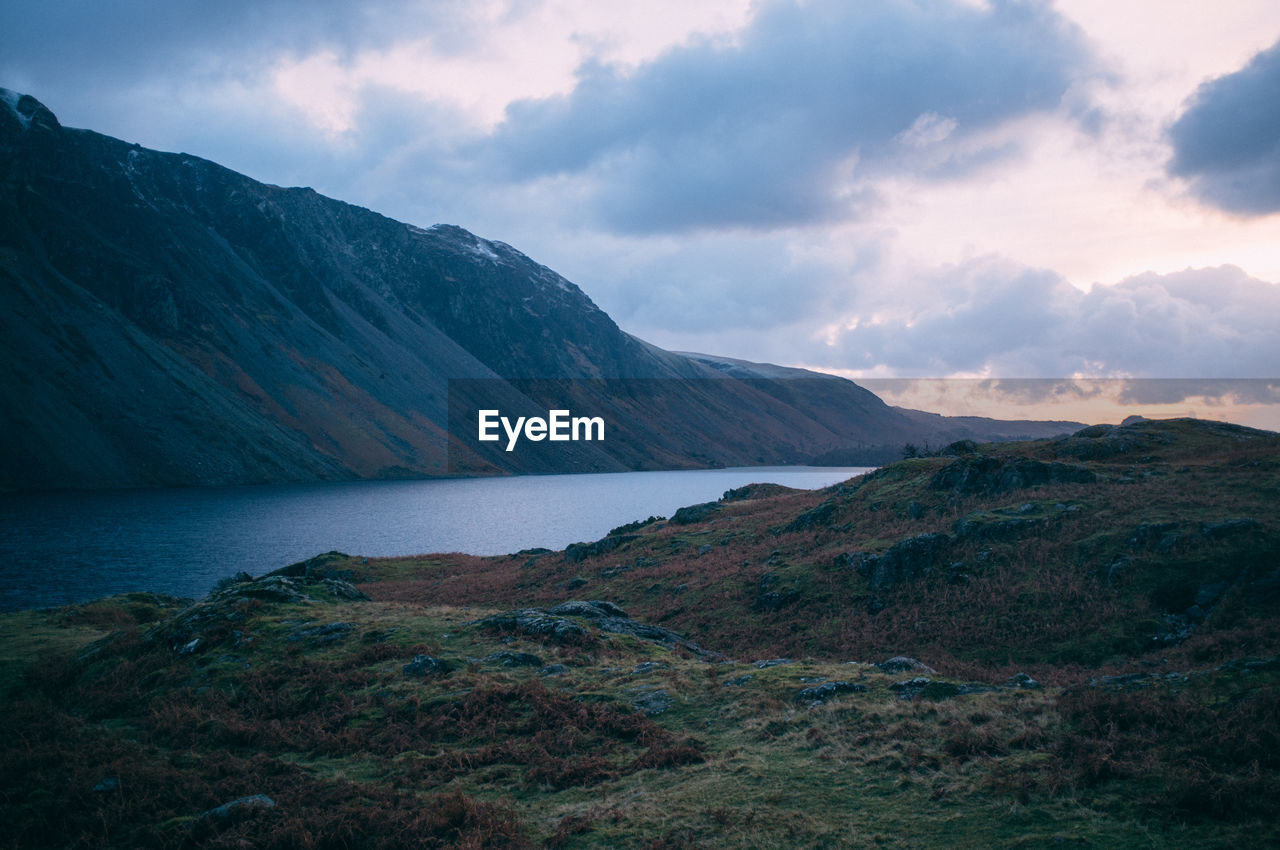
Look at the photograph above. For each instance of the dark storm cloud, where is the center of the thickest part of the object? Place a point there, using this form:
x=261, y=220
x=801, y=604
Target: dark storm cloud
x=1227, y=142
x=1014, y=322
x=129, y=40
x=764, y=131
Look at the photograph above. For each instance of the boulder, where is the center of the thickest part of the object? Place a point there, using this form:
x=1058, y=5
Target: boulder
x=818, y=516
x=239, y=808
x=426, y=665
x=907, y=559
x=560, y=624
x=652, y=702
x=818, y=694
x=989, y=476
x=1229, y=528
x=695, y=513
x=319, y=635
x=575, y=552
x=508, y=658
x=903, y=664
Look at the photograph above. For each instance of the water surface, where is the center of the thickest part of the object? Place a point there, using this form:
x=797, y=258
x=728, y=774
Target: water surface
x=60, y=548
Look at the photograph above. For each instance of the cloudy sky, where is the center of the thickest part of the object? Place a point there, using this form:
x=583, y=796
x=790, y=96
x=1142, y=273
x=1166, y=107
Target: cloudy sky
x=981, y=188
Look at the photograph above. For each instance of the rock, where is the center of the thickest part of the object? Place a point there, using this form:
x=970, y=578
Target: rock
x=908, y=559
x=1180, y=628
x=106, y=785
x=1117, y=569
x=909, y=689
x=1229, y=528
x=575, y=583
x=426, y=665
x=993, y=525
x=704, y=549
x=992, y=475
x=922, y=687
x=593, y=610
x=774, y=662
x=557, y=624
x=1126, y=682
x=507, y=658
x=915, y=510
x=818, y=516
x=646, y=667
x=695, y=513
x=317, y=568
x=754, y=491
x=1021, y=680
x=634, y=526
x=343, y=589
x=818, y=694
x=903, y=664
x=1208, y=594
x=553, y=670
x=652, y=702
x=319, y=635
x=739, y=681
x=237, y=809
x=1099, y=442
x=534, y=621
x=1149, y=533
x=863, y=562
x=581, y=551
x=771, y=598
x=274, y=588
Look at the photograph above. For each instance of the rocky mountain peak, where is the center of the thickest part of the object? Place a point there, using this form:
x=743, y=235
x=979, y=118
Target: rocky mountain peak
x=22, y=112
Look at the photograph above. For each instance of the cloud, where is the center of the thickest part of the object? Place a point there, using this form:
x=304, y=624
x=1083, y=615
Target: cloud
x=781, y=126
x=129, y=40
x=1227, y=141
x=990, y=316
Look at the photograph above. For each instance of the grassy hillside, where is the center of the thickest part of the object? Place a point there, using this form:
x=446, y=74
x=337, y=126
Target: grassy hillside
x=1069, y=642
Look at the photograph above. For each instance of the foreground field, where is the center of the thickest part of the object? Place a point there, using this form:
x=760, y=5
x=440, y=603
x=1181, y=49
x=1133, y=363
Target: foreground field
x=1065, y=643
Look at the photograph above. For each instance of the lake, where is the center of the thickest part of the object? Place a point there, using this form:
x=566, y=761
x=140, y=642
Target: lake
x=59, y=548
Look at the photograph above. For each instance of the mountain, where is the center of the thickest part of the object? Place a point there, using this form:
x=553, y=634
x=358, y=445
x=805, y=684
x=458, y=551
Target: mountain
x=164, y=320
x=1071, y=642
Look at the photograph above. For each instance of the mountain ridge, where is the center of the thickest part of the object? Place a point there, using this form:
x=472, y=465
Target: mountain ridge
x=167, y=321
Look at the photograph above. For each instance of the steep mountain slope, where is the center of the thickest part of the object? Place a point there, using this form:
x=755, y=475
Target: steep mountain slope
x=168, y=321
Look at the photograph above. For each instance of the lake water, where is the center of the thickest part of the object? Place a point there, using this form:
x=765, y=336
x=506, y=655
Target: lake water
x=60, y=548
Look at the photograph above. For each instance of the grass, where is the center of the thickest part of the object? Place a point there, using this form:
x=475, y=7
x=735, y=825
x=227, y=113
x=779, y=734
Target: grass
x=119, y=736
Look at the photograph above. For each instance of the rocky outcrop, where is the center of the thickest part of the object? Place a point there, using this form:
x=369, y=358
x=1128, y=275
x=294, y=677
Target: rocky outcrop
x=819, y=516
x=427, y=665
x=903, y=664
x=987, y=476
x=568, y=622
x=816, y=695
x=904, y=561
x=690, y=514
x=575, y=552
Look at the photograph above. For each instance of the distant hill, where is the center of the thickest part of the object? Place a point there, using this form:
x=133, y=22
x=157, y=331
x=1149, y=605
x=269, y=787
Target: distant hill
x=167, y=321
